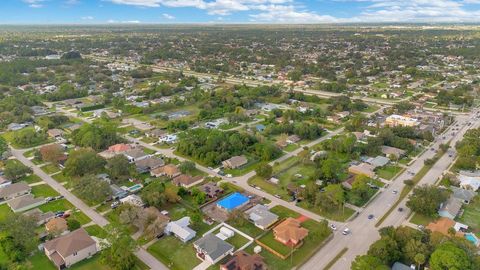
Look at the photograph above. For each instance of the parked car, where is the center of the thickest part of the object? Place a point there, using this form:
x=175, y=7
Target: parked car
x=394, y=191
x=346, y=231
x=333, y=227
x=115, y=204
x=370, y=216
x=49, y=199
x=59, y=213
x=400, y=209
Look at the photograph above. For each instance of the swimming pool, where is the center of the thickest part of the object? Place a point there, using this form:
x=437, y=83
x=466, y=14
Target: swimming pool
x=472, y=238
x=233, y=201
x=135, y=188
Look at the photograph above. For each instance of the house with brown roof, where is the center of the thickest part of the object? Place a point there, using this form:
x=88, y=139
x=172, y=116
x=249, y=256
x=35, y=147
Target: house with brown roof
x=55, y=133
x=235, y=162
x=241, y=260
x=168, y=170
x=148, y=164
x=293, y=139
x=290, y=232
x=443, y=225
x=211, y=189
x=362, y=169
x=71, y=248
x=24, y=203
x=56, y=225
x=187, y=181
x=392, y=151
x=116, y=149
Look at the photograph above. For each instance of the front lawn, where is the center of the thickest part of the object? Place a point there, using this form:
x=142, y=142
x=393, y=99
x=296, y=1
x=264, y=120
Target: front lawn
x=50, y=168
x=30, y=179
x=175, y=254
x=471, y=215
x=96, y=264
x=420, y=219
x=341, y=214
x=4, y=211
x=269, y=187
x=246, y=227
x=58, y=205
x=269, y=240
x=388, y=171
x=44, y=190
x=95, y=230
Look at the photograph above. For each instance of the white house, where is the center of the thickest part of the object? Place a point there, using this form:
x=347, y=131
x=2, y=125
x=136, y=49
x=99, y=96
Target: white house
x=180, y=229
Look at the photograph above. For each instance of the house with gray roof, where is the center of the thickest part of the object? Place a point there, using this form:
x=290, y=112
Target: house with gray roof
x=24, y=203
x=135, y=154
x=261, y=216
x=39, y=216
x=378, y=161
x=148, y=164
x=212, y=249
x=14, y=190
x=464, y=195
x=450, y=208
x=235, y=162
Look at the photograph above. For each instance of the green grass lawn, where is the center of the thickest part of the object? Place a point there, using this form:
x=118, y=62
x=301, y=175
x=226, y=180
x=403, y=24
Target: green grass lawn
x=175, y=254
x=50, y=168
x=247, y=227
x=420, y=219
x=44, y=190
x=32, y=178
x=305, y=174
x=149, y=139
x=4, y=211
x=291, y=147
x=250, y=166
x=269, y=240
x=388, y=171
x=269, y=187
x=103, y=207
x=339, y=215
x=58, y=205
x=95, y=230
x=81, y=217
x=40, y=261
x=471, y=215
x=94, y=263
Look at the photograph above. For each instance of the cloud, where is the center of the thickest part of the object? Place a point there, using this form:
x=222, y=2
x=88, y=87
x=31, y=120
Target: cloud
x=126, y=22
x=143, y=3
x=34, y=3
x=289, y=14
x=88, y=18
x=168, y=16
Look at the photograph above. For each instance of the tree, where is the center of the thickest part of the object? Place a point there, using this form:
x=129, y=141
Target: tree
x=386, y=249
x=171, y=194
x=426, y=199
x=20, y=238
x=118, y=254
x=360, y=190
x=83, y=161
x=51, y=153
x=98, y=136
x=15, y=170
x=264, y=170
x=368, y=262
x=91, y=189
x=120, y=168
x=153, y=194
x=73, y=224
x=199, y=196
x=28, y=137
x=449, y=256
x=419, y=259
x=332, y=198
x=187, y=166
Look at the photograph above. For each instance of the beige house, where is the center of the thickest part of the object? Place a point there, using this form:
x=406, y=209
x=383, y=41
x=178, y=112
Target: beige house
x=235, y=162
x=14, y=190
x=70, y=248
x=362, y=169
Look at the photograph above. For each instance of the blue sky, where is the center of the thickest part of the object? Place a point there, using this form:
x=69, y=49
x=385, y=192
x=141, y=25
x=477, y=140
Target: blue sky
x=236, y=11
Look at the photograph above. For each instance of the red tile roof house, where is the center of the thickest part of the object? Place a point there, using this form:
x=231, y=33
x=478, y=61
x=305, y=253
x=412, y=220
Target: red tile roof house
x=289, y=232
x=114, y=150
x=243, y=261
x=70, y=248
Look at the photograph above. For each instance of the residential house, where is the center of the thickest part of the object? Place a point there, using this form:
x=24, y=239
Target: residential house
x=395, y=120
x=148, y=164
x=117, y=192
x=389, y=151
x=24, y=203
x=55, y=133
x=348, y=183
x=180, y=229
x=378, y=161
x=450, y=208
x=155, y=133
x=114, y=150
x=168, y=138
x=212, y=249
x=290, y=232
x=443, y=225
x=14, y=190
x=401, y=266
x=260, y=127
x=56, y=225
x=211, y=189
x=135, y=154
x=241, y=260
x=463, y=195
x=4, y=181
x=158, y=219
x=71, y=248
x=362, y=169
x=469, y=180
x=168, y=170
x=40, y=217
x=187, y=181
x=261, y=216
x=235, y=162
x=293, y=139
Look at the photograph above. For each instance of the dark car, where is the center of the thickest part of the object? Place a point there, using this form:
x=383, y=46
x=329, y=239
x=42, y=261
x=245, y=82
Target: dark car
x=59, y=213
x=400, y=209
x=370, y=216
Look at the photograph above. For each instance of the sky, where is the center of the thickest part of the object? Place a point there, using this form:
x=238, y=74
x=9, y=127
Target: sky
x=237, y=11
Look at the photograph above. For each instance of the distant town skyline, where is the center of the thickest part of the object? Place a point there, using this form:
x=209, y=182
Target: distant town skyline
x=237, y=11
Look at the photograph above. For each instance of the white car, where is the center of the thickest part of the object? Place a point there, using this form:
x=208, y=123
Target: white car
x=394, y=191
x=333, y=227
x=346, y=231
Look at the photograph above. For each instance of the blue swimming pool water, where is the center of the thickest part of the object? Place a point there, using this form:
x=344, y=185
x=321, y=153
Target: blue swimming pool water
x=135, y=187
x=233, y=201
x=470, y=237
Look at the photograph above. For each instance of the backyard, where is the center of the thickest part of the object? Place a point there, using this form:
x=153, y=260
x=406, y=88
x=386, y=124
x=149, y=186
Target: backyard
x=175, y=254
x=388, y=172
x=471, y=215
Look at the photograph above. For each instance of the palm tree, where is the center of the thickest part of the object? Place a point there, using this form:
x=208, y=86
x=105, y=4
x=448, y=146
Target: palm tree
x=419, y=259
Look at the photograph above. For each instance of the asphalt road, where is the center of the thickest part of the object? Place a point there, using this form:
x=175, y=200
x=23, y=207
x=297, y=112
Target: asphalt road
x=363, y=230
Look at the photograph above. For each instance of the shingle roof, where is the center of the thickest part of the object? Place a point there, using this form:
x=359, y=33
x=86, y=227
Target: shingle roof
x=13, y=188
x=22, y=201
x=70, y=243
x=213, y=246
x=290, y=230
x=261, y=215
